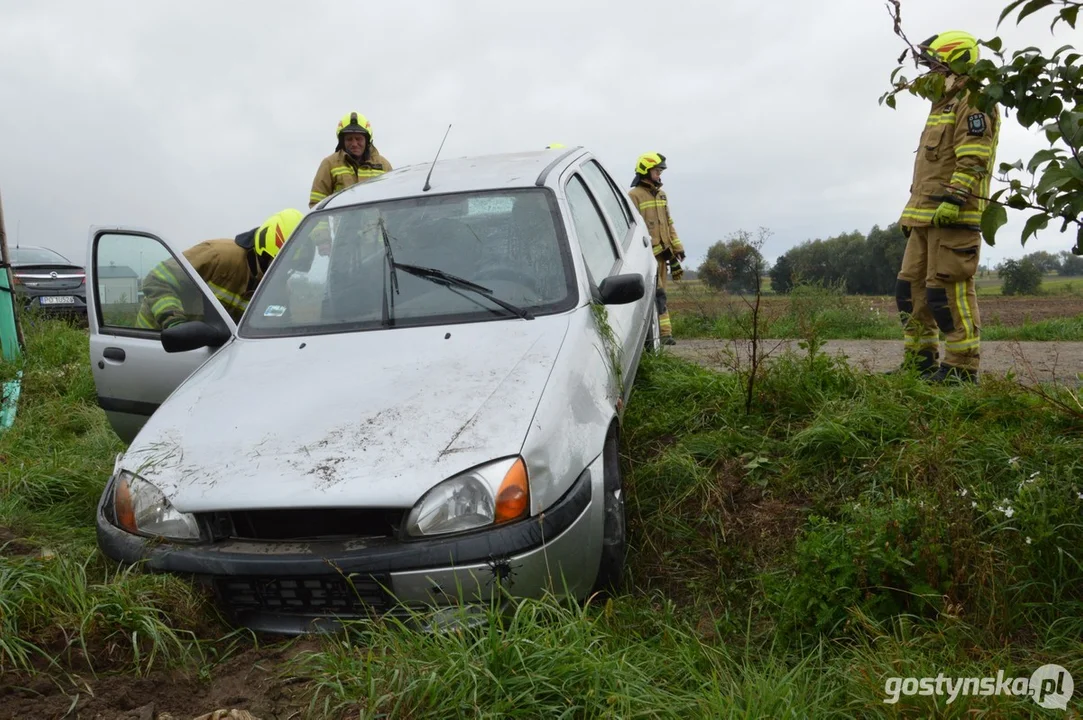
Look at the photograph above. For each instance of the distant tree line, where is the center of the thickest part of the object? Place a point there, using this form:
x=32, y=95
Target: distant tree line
x=862, y=264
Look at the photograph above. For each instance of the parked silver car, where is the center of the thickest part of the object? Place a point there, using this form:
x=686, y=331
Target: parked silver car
x=426, y=414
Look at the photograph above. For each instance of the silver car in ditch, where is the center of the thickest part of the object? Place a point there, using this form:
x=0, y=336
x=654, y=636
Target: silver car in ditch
x=419, y=408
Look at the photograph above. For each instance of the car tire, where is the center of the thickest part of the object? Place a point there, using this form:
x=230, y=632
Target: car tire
x=615, y=526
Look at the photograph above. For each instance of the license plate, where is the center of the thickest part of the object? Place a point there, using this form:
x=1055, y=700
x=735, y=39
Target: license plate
x=57, y=300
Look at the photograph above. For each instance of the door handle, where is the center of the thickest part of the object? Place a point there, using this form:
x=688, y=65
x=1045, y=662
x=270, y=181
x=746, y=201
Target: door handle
x=646, y=242
x=114, y=353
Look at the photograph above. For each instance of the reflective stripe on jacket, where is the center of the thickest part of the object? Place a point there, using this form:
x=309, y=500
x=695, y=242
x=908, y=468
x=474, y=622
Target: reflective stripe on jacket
x=338, y=171
x=652, y=204
x=169, y=297
x=955, y=161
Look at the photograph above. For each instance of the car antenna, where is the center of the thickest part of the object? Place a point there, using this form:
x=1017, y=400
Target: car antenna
x=428, y=186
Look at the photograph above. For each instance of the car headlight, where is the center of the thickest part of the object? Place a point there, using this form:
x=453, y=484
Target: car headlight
x=490, y=494
x=142, y=509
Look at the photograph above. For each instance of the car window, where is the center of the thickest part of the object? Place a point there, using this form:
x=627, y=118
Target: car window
x=614, y=206
x=594, y=240
x=37, y=256
x=510, y=243
x=139, y=284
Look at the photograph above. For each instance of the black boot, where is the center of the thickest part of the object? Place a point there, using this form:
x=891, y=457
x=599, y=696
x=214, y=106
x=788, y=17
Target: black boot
x=924, y=361
x=951, y=374
x=668, y=340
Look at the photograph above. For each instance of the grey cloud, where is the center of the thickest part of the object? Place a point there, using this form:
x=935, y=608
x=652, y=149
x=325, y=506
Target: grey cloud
x=200, y=119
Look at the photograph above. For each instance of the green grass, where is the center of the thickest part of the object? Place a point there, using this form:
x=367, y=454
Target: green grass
x=60, y=601
x=784, y=562
x=1052, y=284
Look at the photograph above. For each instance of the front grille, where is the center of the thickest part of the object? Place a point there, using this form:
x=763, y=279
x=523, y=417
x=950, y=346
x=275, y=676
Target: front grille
x=307, y=524
x=323, y=595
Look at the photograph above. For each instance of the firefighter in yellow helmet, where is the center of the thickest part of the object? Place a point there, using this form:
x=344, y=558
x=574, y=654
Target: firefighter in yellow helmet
x=954, y=164
x=647, y=195
x=355, y=159
x=231, y=267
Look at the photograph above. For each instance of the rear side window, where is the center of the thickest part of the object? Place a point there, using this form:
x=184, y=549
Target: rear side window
x=615, y=208
x=594, y=239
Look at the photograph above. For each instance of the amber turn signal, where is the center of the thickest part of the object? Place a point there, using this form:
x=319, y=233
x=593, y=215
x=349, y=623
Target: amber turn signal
x=513, y=498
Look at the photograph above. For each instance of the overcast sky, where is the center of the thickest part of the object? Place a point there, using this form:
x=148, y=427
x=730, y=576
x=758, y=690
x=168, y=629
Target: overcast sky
x=199, y=119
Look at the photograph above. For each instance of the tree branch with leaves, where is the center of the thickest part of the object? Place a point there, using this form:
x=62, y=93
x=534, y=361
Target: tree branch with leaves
x=1043, y=91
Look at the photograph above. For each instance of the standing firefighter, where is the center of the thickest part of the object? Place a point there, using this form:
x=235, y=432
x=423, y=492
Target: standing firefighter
x=942, y=220
x=231, y=267
x=648, y=196
x=355, y=159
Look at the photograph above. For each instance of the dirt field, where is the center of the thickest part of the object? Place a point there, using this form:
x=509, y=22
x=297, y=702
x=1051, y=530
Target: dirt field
x=251, y=680
x=1060, y=362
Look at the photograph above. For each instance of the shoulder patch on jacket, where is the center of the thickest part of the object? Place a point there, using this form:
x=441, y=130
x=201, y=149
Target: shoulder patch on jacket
x=975, y=124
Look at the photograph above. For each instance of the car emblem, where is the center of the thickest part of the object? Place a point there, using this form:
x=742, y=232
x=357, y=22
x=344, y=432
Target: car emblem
x=53, y=275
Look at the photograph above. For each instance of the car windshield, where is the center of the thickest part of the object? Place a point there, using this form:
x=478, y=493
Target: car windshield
x=36, y=256
x=404, y=262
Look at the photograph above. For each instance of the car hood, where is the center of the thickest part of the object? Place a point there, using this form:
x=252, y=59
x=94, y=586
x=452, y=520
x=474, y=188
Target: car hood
x=367, y=418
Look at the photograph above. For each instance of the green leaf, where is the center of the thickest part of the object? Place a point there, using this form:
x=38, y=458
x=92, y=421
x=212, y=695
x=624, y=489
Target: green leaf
x=1007, y=10
x=1054, y=177
x=1075, y=168
x=995, y=217
x=1040, y=157
x=1052, y=106
x=994, y=92
x=1017, y=202
x=890, y=101
x=995, y=44
x=1035, y=222
x=1068, y=15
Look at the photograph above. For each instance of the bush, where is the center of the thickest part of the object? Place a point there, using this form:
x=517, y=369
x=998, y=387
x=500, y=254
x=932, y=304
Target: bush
x=1021, y=277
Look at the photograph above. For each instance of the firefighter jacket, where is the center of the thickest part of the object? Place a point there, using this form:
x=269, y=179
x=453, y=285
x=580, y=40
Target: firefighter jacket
x=338, y=170
x=227, y=266
x=653, y=206
x=954, y=160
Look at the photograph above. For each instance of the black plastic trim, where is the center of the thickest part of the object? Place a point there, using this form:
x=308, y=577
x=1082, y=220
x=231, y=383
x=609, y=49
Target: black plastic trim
x=133, y=407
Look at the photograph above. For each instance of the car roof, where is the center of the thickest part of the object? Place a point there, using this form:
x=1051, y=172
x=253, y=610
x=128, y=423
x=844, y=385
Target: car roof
x=463, y=174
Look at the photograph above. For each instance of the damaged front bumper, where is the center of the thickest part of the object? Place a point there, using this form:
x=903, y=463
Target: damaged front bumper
x=298, y=587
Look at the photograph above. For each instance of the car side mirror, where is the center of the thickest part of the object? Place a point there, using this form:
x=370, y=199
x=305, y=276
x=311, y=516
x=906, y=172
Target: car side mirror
x=621, y=289
x=193, y=335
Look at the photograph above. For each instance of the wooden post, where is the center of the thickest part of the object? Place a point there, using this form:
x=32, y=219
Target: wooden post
x=5, y=256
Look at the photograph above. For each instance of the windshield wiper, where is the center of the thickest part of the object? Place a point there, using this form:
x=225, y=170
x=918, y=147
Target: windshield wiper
x=447, y=279
x=388, y=318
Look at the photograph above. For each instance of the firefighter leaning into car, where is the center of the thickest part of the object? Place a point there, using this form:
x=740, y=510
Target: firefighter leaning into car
x=954, y=164
x=231, y=267
x=648, y=196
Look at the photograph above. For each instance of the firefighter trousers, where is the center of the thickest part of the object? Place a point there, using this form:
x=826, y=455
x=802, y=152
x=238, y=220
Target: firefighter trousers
x=665, y=327
x=935, y=293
